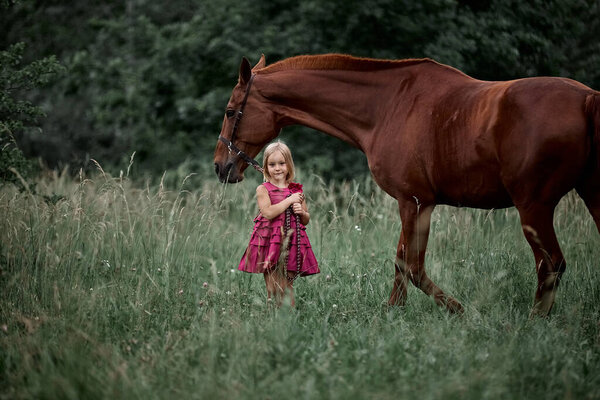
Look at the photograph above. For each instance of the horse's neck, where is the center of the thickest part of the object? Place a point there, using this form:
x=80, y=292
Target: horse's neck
x=345, y=104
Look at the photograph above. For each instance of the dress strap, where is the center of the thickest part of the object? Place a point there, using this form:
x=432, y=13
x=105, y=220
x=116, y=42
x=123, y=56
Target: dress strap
x=269, y=186
x=272, y=188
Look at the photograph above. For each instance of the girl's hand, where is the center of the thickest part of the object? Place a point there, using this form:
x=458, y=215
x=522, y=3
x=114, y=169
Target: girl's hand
x=297, y=208
x=296, y=198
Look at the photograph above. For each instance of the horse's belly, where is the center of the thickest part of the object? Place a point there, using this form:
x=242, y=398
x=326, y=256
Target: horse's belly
x=473, y=191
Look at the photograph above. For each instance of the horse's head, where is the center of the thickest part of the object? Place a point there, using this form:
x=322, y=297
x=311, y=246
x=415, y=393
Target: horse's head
x=248, y=125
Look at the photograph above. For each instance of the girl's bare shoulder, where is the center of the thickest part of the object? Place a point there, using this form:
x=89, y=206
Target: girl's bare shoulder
x=261, y=189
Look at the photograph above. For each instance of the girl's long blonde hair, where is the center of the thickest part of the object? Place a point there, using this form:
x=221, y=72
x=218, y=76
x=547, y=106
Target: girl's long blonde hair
x=287, y=156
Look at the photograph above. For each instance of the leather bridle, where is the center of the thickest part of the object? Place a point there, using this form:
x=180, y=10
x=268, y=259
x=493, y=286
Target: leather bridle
x=229, y=142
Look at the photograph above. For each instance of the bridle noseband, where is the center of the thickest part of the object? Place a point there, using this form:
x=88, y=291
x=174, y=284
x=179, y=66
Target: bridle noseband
x=238, y=117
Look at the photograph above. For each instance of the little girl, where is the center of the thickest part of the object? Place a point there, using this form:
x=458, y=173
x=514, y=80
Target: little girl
x=267, y=252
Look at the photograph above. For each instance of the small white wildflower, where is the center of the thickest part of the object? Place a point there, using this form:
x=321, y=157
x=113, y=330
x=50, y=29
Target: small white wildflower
x=180, y=291
x=4, y=328
x=232, y=270
x=334, y=306
x=357, y=228
x=205, y=284
x=328, y=278
x=228, y=293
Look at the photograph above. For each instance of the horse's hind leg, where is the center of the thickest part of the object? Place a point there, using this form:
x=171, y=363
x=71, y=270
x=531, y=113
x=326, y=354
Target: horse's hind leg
x=591, y=197
x=410, y=258
x=537, y=223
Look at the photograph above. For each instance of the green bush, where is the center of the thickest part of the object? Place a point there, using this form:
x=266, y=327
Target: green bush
x=16, y=114
x=13, y=162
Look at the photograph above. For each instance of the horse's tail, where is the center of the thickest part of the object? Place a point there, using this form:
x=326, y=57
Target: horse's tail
x=592, y=110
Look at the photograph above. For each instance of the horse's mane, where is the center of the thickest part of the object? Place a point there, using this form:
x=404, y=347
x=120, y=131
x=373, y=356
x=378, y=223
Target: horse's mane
x=340, y=62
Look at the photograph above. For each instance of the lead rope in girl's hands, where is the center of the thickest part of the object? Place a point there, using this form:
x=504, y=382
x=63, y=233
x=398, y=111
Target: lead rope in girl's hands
x=288, y=214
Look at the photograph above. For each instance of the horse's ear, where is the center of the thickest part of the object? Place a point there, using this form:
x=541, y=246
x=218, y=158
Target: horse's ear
x=245, y=71
x=261, y=63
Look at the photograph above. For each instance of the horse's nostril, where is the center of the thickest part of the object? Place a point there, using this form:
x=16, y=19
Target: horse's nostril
x=228, y=169
x=217, y=169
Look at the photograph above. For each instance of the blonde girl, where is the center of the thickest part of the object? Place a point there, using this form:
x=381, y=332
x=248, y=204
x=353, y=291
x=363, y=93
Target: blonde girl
x=279, y=247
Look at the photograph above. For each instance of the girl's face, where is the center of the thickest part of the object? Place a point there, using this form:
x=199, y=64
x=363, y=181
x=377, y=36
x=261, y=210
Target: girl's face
x=277, y=167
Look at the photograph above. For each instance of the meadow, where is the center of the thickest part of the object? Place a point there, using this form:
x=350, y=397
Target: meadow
x=112, y=288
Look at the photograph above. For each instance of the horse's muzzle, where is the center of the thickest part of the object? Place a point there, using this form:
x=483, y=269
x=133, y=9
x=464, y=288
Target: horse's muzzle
x=228, y=173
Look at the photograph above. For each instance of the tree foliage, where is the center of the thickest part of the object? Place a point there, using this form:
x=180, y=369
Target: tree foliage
x=154, y=79
x=17, y=114
x=15, y=78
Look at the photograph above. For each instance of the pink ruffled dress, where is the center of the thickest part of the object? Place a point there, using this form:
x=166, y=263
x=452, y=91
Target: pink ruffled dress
x=264, y=248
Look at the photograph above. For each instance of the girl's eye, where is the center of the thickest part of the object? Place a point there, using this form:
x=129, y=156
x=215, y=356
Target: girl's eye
x=230, y=113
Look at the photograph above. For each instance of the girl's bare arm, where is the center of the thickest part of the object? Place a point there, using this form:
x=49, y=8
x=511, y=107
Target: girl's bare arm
x=270, y=211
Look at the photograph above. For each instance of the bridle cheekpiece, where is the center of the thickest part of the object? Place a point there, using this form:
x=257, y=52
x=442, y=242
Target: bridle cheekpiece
x=229, y=142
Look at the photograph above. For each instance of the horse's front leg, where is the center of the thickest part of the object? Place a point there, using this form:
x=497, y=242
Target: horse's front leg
x=398, y=296
x=410, y=257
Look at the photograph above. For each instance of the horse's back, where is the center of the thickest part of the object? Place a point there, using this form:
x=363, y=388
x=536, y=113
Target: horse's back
x=497, y=144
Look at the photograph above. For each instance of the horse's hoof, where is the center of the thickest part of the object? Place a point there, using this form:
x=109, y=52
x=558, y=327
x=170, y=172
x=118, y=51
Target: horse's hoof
x=454, y=306
x=539, y=312
x=398, y=302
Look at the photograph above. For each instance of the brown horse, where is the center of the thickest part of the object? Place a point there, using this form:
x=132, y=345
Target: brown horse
x=433, y=135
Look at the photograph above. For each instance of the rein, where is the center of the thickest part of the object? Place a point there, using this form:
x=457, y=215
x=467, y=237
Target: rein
x=288, y=215
x=229, y=143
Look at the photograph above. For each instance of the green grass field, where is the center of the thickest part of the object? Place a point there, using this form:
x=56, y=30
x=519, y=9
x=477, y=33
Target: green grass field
x=116, y=290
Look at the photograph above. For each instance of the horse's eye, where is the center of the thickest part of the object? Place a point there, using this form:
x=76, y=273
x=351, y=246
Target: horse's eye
x=230, y=113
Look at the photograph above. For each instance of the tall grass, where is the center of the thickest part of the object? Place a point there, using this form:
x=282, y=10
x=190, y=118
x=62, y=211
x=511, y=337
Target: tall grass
x=111, y=289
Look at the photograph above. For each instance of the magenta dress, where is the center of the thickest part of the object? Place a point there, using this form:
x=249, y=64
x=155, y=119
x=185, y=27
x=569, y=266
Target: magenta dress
x=264, y=248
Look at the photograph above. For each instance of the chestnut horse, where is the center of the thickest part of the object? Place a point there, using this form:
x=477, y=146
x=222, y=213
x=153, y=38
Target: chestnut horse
x=433, y=135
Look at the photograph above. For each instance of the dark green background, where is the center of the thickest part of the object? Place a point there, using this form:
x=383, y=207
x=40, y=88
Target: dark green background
x=154, y=77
